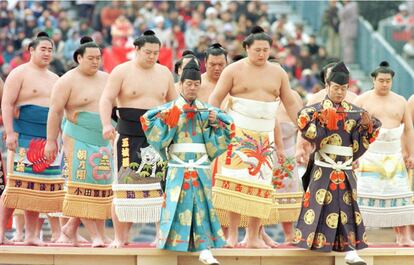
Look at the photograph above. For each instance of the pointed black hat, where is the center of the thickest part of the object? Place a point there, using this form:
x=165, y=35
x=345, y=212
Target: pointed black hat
x=339, y=74
x=191, y=71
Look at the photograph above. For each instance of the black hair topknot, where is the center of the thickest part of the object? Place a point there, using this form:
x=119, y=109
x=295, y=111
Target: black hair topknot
x=215, y=49
x=147, y=37
x=42, y=34
x=216, y=45
x=256, y=33
x=85, y=39
x=187, y=52
x=384, y=64
x=85, y=42
x=383, y=68
x=148, y=32
x=256, y=29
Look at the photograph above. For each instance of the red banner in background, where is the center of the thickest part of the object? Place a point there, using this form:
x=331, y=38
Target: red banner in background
x=113, y=56
x=166, y=57
x=116, y=55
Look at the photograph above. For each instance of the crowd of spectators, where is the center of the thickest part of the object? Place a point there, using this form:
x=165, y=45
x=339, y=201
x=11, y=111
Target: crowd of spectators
x=180, y=25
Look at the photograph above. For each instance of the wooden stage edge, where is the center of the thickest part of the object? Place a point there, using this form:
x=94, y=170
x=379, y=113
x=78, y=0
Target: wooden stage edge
x=51, y=255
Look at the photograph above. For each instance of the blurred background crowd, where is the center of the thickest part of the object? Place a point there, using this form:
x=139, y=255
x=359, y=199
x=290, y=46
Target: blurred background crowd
x=179, y=24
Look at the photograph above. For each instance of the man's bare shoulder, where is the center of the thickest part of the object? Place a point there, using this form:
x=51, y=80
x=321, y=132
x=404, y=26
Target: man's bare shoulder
x=102, y=74
x=398, y=98
x=351, y=96
x=121, y=68
x=276, y=67
x=19, y=70
x=52, y=75
x=411, y=100
x=72, y=73
x=365, y=95
x=163, y=69
x=232, y=69
x=68, y=79
x=235, y=66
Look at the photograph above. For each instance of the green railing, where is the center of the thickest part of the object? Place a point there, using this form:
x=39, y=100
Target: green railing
x=372, y=48
x=311, y=11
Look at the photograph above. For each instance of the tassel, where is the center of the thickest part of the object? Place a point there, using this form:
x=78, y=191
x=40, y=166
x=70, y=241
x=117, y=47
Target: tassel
x=332, y=119
x=244, y=205
x=138, y=214
x=172, y=116
x=143, y=123
x=277, y=215
x=95, y=208
x=138, y=211
x=36, y=201
x=373, y=218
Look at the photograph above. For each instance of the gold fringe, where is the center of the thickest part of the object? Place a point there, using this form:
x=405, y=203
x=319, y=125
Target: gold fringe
x=274, y=217
x=278, y=214
x=244, y=205
x=30, y=200
x=288, y=215
x=90, y=209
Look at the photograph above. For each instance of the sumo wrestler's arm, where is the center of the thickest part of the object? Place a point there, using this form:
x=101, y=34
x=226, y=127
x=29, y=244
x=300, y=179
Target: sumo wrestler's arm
x=59, y=98
x=108, y=97
x=11, y=92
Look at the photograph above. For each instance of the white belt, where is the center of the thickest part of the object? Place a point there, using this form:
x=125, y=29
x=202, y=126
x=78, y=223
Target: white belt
x=187, y=148
x=244, y=122
x=329, y=162
x=337, y=150
x=191, y=164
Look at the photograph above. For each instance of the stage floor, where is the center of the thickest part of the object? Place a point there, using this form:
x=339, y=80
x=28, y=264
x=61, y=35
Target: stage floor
x=143, y=254
x=386, y=253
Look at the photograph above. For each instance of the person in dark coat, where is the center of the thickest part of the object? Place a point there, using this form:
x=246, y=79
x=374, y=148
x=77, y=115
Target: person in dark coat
x=330, y=219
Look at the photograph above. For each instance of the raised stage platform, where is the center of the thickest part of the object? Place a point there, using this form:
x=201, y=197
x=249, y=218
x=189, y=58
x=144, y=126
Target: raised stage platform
x=140, y=254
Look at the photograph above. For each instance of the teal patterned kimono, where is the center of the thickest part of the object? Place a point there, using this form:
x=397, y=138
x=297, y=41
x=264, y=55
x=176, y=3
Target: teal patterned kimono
x=188, y=219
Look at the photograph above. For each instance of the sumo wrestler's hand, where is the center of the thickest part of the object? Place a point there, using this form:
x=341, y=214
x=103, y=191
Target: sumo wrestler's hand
x=108, y=132
x=409, y=162
x=280, y=154
x=302, y=157
x=50, y=150
x=11, y=141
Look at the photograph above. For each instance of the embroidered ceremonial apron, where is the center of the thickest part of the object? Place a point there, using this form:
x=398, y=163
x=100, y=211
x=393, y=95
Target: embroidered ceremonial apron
x=137, y=190
x=244, y=184
x=384, y=197
x=33, y=184
x=89, y=165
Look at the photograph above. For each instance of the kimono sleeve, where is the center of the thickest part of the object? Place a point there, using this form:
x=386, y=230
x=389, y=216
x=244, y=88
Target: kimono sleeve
x=363, y=137
x=217, y=136
x=311, y=129
x=160, y=126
